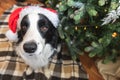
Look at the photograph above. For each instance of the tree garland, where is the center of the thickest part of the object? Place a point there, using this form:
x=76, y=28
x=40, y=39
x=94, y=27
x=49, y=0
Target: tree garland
x=84, y=27
x=112, y=16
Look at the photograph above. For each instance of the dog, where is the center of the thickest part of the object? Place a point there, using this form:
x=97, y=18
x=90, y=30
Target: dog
x=34, y=30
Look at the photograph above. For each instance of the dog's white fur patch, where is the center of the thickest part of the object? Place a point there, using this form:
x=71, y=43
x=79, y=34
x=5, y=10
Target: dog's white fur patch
x=36, y=61
x=41, y=56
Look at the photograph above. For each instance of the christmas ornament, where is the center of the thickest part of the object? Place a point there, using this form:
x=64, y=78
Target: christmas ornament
x=114, y=35
x=113, y=15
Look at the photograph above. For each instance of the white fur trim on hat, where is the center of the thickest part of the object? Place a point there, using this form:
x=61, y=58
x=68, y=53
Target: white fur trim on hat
x=53, y=17
x=13, y=37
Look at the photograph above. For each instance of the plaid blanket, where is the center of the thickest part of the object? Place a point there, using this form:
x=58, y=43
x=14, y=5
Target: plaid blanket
x=12, y=67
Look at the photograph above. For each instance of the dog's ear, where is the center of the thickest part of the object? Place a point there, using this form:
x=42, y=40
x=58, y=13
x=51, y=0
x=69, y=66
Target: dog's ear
x=12, y=34
x=55, y=39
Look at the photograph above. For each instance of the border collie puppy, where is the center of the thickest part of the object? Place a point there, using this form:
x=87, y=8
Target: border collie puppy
x=34, y=29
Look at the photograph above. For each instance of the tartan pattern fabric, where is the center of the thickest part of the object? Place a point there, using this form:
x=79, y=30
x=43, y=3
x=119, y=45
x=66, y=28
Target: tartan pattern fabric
x=12, y=67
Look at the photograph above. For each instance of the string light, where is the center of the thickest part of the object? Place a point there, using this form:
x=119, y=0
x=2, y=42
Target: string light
x=85, y=28
x=96, y=27
x=60, y=3
x=76, y=28
x=105, y=10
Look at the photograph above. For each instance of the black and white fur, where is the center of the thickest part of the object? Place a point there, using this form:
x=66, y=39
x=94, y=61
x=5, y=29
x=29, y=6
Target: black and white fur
x=37, y=39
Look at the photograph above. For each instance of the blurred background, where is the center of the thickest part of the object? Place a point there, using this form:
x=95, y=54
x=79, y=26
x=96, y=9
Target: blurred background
x=6, y=4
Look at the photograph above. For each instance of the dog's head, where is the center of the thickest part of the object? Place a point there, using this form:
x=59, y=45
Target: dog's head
x=34, y=29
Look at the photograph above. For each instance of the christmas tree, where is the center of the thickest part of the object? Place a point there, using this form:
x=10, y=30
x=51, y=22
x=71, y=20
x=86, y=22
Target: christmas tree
x=89, y=26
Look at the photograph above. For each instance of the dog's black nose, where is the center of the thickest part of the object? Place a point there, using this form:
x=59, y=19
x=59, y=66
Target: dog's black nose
x=30, y=47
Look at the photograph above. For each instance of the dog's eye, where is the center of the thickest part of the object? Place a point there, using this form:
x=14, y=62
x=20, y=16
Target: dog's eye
x=24, y=28
x=44, y=29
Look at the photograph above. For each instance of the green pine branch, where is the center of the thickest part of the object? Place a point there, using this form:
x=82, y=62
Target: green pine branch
x=82, y=30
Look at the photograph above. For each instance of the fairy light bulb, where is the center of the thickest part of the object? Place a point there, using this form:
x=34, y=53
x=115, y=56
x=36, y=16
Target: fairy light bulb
x=85, y=28
x=105, y=10
x=96, y=27
x=60, y=3
x=76, y=28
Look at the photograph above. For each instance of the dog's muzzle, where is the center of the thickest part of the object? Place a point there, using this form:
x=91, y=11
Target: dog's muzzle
x=30, y=47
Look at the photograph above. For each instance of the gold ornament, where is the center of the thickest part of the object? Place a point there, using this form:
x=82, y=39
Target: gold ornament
x=114, y=35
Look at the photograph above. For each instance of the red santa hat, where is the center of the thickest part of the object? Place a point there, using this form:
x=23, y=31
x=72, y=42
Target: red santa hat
x=17, y=15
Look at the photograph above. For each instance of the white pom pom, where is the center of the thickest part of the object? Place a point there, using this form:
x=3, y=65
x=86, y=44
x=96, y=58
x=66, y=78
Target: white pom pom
x=13, y=37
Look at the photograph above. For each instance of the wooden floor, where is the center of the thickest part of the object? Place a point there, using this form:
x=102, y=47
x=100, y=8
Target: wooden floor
x=87, y=62
x=5, y=4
